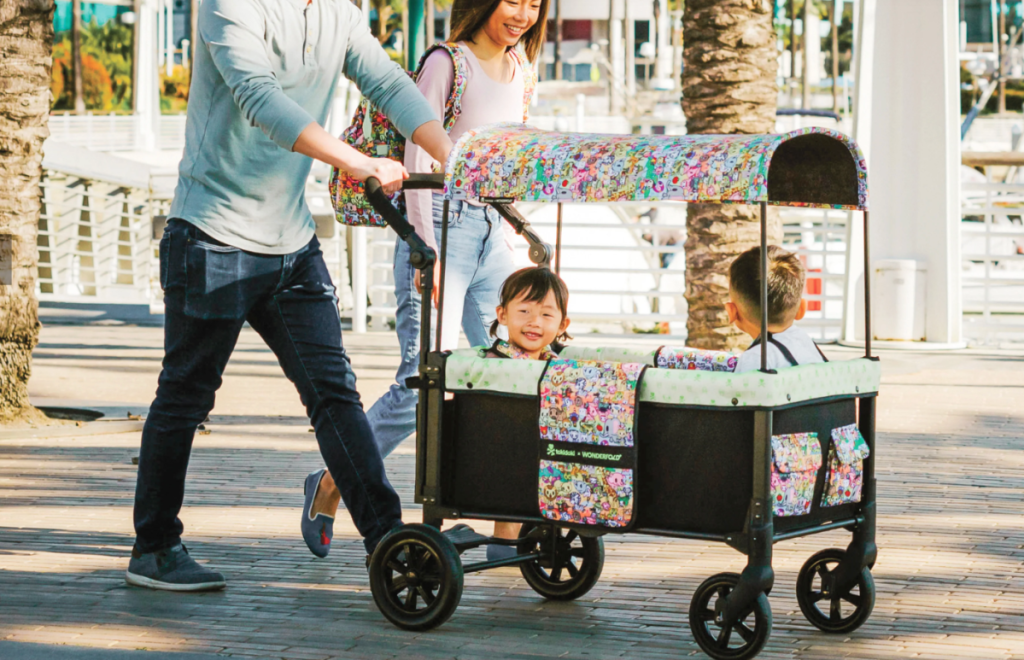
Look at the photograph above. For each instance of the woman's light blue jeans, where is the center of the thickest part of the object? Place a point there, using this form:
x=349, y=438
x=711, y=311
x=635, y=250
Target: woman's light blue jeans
x=479, y=262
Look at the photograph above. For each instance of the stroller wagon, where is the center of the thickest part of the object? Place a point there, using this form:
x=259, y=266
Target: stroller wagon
x=601, y=441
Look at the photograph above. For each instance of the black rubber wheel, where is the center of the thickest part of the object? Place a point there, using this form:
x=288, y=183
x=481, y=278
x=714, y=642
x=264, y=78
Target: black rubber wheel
x=844, y=612
x=734, y=640
x=416, y=577
x=575, y=568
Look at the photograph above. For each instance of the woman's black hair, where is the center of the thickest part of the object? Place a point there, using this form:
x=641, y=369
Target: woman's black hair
x=534, y=284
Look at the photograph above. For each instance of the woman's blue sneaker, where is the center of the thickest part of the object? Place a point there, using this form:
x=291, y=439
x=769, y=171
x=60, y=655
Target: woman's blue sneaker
x=318, y=530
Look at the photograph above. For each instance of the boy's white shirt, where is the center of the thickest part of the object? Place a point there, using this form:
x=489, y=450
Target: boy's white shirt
x=796, y=340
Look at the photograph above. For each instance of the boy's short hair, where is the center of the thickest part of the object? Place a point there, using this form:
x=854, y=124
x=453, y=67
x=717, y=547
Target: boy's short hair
x=785, y=282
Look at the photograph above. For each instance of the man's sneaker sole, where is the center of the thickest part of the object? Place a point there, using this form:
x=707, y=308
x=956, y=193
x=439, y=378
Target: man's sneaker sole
x=150, y=583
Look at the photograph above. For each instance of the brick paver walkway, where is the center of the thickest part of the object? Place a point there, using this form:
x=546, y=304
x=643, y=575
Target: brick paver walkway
x=950, y=576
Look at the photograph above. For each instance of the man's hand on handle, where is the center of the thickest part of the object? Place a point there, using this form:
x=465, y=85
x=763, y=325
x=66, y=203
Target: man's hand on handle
x=317, y=143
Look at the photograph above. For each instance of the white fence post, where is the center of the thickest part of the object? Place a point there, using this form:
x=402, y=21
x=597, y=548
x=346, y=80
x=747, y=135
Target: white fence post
x=360, y=268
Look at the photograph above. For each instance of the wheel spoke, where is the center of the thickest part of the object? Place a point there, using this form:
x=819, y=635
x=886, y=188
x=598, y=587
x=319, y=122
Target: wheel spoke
x=556, y=574
x=822, y=572
x=723, y=637
x=410, y=600
x=573, y=571
x=722, y=591
x=571, y=536
x=707, y=615
x=396, y=567
x=853, y=599
x=398, y=585
x=431, y=579
x=816, y=596
x=835, y=612
x=578, y=552
x=428, y=598
x=746, y=633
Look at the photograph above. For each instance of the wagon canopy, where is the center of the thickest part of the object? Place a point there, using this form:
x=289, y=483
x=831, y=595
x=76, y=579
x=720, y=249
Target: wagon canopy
x=510, y=162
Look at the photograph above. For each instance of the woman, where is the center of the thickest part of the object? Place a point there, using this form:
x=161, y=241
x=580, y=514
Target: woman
x=479, y=257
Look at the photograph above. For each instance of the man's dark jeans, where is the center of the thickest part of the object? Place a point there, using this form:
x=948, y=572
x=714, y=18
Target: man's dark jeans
x=210, y=290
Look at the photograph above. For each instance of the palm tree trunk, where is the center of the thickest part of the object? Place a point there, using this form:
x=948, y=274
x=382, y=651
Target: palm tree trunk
x=26, y=40
x=728, y=87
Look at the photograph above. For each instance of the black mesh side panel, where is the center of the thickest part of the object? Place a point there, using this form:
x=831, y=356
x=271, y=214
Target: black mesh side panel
x=490, y=457
x=695, y=468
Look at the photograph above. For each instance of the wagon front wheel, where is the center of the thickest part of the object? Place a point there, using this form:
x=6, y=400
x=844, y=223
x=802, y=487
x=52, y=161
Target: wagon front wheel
x=568, y=568
x=728, y=640
x=416, y=577
x=827, y=608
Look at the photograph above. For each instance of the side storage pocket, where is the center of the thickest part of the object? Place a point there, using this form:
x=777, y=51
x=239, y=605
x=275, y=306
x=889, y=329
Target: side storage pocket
x=796, y=459
x=845, y=466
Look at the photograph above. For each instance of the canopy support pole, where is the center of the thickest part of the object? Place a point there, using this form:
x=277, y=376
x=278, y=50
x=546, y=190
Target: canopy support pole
x=444, y=261
x=558, y=242
x=764, y=287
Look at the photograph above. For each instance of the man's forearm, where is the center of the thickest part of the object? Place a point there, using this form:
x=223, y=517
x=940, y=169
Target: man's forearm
x=320, y=145
x=430, y=137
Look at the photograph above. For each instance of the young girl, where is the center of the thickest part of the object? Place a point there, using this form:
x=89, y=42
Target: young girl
x=533, y=308
x=497, y=41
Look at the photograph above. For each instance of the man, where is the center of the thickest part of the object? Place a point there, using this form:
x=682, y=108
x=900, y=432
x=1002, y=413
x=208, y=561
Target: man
x=241, y=247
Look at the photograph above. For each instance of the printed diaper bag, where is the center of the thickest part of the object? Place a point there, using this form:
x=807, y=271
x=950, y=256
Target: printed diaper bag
x=695, y=359
x=845, y=466
x=796, y=459
x=588, y=441
x=372, y=134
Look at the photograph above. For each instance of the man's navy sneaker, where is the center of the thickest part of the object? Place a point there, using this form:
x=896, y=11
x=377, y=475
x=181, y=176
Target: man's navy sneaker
x=171, y=570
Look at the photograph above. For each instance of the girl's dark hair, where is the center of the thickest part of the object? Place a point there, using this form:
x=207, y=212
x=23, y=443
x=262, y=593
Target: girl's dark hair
x=534, y=284
x=470, y=16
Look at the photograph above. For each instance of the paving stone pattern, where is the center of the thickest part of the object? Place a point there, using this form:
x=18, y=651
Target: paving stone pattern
x=949, y=576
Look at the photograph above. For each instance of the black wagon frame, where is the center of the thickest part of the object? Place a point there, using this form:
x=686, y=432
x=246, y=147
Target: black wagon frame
x=752, y=531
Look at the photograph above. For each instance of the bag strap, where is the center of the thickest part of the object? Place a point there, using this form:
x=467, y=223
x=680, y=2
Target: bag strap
x=529, y=79
x=453, y=107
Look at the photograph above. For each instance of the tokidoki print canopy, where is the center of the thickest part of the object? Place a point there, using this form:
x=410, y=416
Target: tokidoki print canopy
x=813, y=167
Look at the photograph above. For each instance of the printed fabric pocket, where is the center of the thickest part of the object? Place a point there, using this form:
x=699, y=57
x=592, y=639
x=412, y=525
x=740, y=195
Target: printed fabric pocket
x=587, y=441
x=796, y=459
x=845, y=466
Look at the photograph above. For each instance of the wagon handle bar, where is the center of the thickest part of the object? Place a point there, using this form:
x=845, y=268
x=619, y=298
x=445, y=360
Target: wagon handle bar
x=421, y=256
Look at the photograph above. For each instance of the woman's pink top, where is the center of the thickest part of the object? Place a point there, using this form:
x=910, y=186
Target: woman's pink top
x=485, y=101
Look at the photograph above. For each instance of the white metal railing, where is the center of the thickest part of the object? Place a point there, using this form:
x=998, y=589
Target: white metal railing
x=114, y=132
x=626, y=270
x=992, y=250
x=96, y=239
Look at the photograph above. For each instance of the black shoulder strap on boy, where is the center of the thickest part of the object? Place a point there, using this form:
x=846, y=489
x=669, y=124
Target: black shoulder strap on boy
x=820, y=352
x=782, y=349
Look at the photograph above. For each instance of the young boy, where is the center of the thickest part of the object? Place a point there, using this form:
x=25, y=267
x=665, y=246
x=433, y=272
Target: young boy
x=788, y=346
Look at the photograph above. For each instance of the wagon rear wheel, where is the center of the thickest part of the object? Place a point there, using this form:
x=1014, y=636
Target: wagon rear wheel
x=826, y=608
x=728, y=640
x=416, y=577
x=571, y=572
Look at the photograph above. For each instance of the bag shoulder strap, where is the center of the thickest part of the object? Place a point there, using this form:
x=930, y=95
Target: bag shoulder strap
x=453, y=107
x=529, y=79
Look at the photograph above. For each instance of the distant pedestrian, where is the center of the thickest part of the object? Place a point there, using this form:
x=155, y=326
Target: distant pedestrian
x=241, y=247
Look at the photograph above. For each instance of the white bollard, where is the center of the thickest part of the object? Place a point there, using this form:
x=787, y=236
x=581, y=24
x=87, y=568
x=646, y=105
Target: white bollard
x=898, y=292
